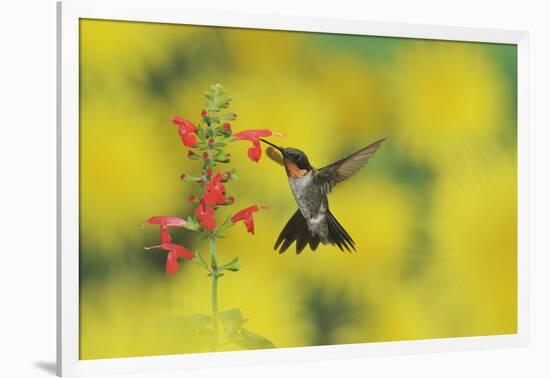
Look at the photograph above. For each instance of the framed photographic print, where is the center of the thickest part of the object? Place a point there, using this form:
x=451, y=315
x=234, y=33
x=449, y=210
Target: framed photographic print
x=239, y=188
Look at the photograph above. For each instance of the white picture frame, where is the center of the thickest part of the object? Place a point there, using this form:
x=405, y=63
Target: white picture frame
x=170, y=11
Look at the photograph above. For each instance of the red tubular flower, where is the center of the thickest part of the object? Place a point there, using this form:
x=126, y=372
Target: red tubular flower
x=254, y=152
x=186, y=130
x=165, y=236
x=215, y=190
x=252, y=135
x=246, y=216
x=205, y=215
x=166, y=221
x=174, y=251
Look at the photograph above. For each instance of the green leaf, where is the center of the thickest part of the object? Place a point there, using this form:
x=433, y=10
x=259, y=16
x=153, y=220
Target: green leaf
x=232, y=321
x=233, y=265
x=198, y=321
x=250, y=340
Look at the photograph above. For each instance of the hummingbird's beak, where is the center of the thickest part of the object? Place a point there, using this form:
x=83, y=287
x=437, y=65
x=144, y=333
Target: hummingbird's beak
x=280, y=149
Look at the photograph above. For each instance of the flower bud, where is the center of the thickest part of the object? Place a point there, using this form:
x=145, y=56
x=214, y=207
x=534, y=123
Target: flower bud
x=193, y=156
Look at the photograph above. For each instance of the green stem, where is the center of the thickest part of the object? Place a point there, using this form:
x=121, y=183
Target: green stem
x=214, y=270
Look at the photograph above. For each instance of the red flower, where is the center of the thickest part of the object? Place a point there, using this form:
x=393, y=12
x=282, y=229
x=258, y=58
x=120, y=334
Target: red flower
x=205, y=215
x=165, y=236
x=254, y=152
x=166, y=221
x=186, y=130
x=215, y=191
x=252, y=135
x=174, y=251
x=204, y=113
x=227, y=126
x=246, y=216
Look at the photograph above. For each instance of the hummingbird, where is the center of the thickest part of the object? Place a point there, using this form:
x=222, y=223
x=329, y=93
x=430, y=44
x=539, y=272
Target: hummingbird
x=313, y=223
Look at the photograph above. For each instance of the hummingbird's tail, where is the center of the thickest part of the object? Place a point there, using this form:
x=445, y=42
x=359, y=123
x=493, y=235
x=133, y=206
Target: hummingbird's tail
x=296, y=230
x=337, y=235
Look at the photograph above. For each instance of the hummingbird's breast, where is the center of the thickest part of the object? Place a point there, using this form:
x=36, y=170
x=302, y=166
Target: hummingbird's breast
x=311, y=200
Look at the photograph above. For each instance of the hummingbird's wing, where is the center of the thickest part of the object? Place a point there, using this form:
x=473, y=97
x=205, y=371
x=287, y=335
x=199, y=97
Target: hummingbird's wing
x=343, y=169
x=274, y=155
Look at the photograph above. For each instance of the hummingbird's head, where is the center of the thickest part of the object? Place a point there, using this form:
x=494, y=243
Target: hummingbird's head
x=297, y=157
x=295, y=161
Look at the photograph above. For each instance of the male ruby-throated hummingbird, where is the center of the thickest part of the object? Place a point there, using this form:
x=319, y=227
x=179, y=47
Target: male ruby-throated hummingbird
x=313, y=223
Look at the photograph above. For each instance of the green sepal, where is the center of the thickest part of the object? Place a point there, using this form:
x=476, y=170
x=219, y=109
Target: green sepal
x=222, y=157
x=228, y=117
x=233, y=265
x=190, y=178
x=192, y=224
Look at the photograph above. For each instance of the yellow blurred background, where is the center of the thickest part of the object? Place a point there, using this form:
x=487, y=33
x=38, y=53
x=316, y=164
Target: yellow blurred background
x=433, y=214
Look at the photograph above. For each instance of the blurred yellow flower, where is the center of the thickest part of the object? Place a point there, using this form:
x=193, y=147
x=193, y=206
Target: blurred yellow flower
x=123, y=163
x=352, y=91
x=474, y=231
x=447, y=97
x=265, y=52
x=115, y=49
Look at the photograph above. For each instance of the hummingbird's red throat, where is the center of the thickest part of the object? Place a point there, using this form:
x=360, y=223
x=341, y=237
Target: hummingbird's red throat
x=293, y=170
